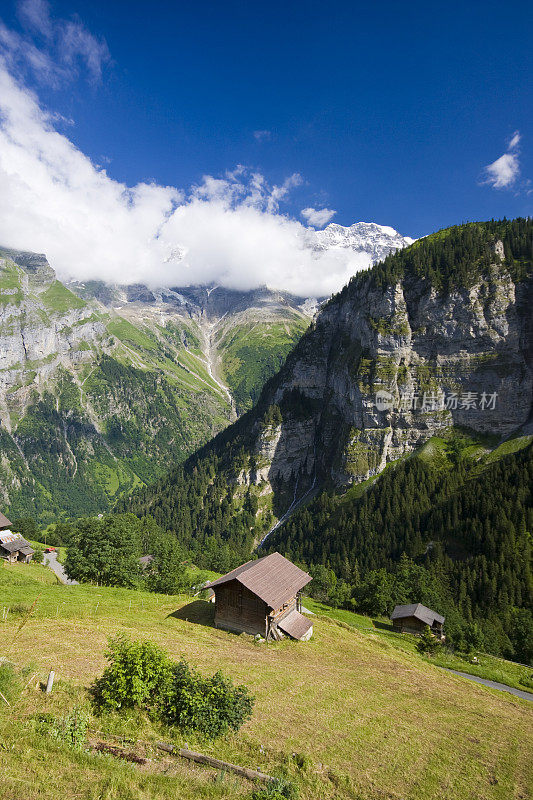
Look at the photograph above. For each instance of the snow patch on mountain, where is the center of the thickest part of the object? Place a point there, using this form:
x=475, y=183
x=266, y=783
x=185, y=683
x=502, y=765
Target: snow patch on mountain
x=377, y=241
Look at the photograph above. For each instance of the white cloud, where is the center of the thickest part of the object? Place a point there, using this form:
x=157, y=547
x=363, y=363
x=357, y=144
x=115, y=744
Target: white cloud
x=503, y=173
x=227, y=230
x=514, y=141
x=66, y=46
x=77, y=44
x=35, y=15
x=318, y=217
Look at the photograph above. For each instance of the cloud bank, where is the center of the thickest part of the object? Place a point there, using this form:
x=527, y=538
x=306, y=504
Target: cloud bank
x=227, y=231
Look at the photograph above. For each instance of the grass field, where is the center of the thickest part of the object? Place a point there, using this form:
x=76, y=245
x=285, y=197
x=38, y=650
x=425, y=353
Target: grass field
x=487, y=666
x=366, y=718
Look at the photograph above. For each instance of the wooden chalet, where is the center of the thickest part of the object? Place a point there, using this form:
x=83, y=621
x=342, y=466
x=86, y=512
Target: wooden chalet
x=415, y=617
x=13, y=547
x=262, y=597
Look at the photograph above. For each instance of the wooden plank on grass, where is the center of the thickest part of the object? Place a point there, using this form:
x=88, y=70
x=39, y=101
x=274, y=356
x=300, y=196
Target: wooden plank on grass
x=200, y=758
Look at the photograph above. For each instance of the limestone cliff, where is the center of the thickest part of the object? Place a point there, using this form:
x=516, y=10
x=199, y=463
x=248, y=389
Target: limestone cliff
x=385, y=367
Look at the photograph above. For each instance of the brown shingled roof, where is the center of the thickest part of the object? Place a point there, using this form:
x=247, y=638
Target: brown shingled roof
x=273, y=578
x=295, y=624
x=423, y=613
x=4, y=522
x=13, y=545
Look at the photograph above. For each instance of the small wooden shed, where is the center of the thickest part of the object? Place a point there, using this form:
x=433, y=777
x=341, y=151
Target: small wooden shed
x=13, y=547
x=262, y=597
x=415, y=617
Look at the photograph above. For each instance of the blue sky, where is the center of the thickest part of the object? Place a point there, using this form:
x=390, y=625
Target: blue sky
x=389, y=112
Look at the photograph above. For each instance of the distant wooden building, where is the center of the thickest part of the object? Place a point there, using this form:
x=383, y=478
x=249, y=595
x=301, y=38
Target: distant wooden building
x=13, y=547
x=262, y=597
x=415, y=617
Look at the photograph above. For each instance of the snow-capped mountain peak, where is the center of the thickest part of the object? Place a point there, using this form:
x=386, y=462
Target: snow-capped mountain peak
x=362, y=237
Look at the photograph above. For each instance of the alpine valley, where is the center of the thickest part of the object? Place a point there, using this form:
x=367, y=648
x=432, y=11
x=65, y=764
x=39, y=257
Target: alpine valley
x=104, y=387
x=392, y=453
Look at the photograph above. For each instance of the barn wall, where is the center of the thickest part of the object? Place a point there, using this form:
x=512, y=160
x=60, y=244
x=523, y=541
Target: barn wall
x=409, y=625
x=238, y=609
x=414, y=625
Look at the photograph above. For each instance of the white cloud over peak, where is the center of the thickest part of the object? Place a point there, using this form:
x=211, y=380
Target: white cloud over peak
x=228, y=230
x=503, y=173
x=318, y=217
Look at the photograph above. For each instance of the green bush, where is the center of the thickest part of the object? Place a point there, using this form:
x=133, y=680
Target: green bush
x=427, y=643
x=140, y=674
x=211, y=706
x=278, y=789
x=38, y=555
x=70, y=729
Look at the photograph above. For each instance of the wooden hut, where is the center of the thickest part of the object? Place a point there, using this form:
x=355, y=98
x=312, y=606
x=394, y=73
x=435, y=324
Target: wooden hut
x=262, y=597
x=13, y=547
x=415, y=617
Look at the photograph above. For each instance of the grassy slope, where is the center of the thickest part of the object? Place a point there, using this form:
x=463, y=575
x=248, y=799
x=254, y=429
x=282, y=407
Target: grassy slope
x=375, y=721
x=488, y=666
x=254, y=351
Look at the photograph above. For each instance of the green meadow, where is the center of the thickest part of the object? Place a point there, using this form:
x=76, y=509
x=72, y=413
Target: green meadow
x=350, y=714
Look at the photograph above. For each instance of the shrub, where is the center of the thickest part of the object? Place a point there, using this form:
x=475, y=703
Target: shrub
x=38, y=555
x=141, y=674
x=70, y=729
x=278, y=789
x=211, y=706
x=138, y=675
x=427, y=643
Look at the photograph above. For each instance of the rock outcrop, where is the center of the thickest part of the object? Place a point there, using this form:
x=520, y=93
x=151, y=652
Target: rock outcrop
x=383, y=370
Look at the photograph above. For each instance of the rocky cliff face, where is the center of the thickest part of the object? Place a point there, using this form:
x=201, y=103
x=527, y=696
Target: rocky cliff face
x=102, y=387
x=385, y=369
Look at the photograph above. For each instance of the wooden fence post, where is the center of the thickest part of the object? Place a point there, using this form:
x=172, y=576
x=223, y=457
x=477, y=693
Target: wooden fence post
x=50, y=682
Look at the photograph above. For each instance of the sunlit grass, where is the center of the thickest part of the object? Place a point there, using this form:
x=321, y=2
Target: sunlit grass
x=375, y=720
